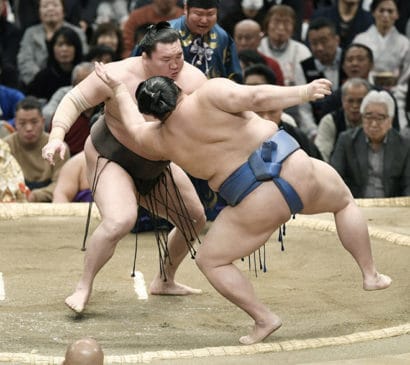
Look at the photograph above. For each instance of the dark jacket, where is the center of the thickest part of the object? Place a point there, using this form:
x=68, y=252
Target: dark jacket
x=350, y=160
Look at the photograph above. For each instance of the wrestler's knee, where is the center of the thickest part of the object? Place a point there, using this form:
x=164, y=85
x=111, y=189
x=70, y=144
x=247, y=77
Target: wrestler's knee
x=120, y=225
x=196, y=214
x=203, y=261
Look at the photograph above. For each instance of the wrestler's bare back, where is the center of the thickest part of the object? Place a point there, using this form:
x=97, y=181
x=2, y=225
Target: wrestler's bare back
x=202, y=132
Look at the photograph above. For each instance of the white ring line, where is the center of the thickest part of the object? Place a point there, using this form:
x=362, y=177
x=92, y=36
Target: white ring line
x=2, y=291
x=240, y=350
x=139, y=285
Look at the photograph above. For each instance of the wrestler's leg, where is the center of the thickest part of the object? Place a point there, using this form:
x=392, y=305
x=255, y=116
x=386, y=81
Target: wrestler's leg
x=118, y=208
x=236, y=233
x=177, y=245
x=350, y=223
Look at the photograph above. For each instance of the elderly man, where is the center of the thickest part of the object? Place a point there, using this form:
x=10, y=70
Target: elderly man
x=240, y=153
x=348, y=116
x=138, y=181
x=357, y=62
x=247, y=35
x=374, y=160
x=279, y=25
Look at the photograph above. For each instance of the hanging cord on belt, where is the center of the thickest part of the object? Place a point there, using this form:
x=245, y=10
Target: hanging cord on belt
x=183, y=222
x=90, y=204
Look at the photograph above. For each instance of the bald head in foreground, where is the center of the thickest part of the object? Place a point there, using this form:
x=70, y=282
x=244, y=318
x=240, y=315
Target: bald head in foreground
x=85, y=351
x=215, y=134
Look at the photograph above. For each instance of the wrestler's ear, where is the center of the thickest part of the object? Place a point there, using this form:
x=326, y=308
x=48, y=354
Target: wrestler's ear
x=144, y=56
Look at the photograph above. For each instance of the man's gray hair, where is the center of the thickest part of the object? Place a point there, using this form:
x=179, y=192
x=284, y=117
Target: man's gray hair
x=378, y=97
x=355, y=82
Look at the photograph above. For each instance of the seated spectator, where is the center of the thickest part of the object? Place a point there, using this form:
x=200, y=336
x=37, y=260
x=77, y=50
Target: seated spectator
x=65, y=51
x=279, y=25
x=78, y=133
x=8, y=100
x=325, y=62
x=72, y=184
x=346, y=117
x=233, y=12
x=153, y=13
x=108, y=34
x=348, y=16
x=26, y=144
x=77, y=12
x=357, y=62
x=33, y=54
x=12, y=186
x=100, y=53
x=112, y=11
x=247, y=36
x=391, y=49
x=374, y=160
x=300, y=8
x=249, y=57
x=258, y=74
x=10, y=37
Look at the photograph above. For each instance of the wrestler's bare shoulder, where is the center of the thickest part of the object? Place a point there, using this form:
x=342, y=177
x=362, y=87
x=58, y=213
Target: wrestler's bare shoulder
x=190, y=78
x=128, y=69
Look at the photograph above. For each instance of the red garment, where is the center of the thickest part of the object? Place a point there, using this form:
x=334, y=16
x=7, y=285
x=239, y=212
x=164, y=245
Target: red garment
x=78, y=133
x=275, y=67
x=139, y=17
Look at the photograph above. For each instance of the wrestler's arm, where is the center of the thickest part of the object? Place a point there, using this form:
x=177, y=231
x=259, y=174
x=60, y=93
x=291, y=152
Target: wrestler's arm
x=234, y=98
x=130, y=116
x=88, y=93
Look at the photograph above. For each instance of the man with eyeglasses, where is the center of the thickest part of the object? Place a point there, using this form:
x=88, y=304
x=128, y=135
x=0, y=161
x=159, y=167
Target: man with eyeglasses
x=374, y=159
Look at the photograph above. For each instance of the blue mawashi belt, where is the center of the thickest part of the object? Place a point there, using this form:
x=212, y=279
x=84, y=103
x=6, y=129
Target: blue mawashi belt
x=264, y=164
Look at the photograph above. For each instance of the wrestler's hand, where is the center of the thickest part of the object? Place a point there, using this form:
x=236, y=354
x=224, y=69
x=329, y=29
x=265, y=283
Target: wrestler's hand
x=317, y=89
x=102, y=73
x=53, y=146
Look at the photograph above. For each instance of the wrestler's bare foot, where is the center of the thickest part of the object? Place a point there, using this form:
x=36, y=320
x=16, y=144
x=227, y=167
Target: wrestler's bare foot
x=379, y=281
x=161, y=287
x=261, y=331
x=78, y=300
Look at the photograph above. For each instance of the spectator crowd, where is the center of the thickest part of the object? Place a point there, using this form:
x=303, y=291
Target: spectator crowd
x=363, y=47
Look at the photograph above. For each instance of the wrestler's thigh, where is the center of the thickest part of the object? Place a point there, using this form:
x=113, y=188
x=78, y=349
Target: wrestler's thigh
x=329, y=193
x=238, y=231
x=115, y=193
x=188, y=194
